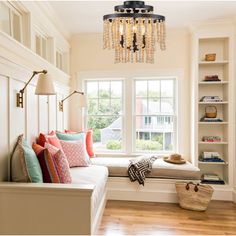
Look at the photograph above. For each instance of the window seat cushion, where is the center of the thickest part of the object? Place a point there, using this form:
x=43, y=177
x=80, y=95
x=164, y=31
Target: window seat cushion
x=160, y=169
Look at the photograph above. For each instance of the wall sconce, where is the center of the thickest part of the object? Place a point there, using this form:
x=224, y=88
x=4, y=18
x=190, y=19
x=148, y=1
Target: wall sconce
x=44, y=87
x=82, y=103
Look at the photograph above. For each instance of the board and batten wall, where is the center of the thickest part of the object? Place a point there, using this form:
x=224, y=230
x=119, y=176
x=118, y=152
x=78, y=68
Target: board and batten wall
x=40, y=113
x=87, y=55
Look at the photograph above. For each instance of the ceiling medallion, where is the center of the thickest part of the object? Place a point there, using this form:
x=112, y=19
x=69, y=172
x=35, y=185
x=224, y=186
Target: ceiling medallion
x=133, y=32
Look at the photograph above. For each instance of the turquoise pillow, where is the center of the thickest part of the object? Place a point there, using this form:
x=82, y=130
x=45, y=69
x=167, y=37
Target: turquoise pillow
x=70, y=137
x=32, y=163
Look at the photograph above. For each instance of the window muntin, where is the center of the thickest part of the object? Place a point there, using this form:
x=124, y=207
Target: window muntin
x=155, y=123
x=42, y=45
x=105, y=114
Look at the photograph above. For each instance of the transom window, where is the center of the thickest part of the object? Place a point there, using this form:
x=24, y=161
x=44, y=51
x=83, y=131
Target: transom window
x=105, y=113
x=149, y=123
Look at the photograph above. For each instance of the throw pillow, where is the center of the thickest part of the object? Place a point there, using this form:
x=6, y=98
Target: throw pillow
x=19, y=172
x=62, y=163
x=24, y=163
x=47, y=163
x=74, y=137
x=89, y=143
x=50, y=138
x=75, y=152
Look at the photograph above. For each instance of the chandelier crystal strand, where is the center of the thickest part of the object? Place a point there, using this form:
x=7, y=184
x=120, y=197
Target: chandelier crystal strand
x=125, y=39
x=163, y=35
x=133, y=32
x=132, y=39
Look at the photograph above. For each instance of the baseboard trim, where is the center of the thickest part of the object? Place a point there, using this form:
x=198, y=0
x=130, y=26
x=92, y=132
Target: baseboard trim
x=234, y=195
x=155, y=190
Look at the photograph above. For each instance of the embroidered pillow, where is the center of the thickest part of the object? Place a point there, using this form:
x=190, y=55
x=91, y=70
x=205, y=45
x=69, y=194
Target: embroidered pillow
x=62, y=163
x=75, y=152
x=74, y=137
x=47, y=163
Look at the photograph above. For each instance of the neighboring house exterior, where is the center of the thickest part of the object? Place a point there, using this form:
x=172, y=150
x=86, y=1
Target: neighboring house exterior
x=148, y=127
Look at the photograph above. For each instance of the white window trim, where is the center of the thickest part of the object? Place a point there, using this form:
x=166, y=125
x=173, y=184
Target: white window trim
x=129, y=76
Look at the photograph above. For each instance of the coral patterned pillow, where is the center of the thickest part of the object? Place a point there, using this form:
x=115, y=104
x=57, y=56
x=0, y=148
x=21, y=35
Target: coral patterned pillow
x=89, y=143
x=63, y=167
x=75, y=152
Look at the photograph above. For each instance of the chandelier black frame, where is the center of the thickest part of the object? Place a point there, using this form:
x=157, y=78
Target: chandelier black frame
x=133, y=31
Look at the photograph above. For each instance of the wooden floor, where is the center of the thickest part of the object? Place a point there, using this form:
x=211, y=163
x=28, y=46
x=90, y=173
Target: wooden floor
x=143, y=218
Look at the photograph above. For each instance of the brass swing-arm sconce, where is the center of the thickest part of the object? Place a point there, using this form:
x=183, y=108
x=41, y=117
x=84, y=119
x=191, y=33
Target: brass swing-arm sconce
x=61, y=102
x=44, y=87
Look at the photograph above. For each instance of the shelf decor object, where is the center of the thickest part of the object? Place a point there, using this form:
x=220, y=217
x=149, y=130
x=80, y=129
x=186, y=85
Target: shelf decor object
x=133, y=32
x=83, y=102
x=44, y=87
x=210, y=57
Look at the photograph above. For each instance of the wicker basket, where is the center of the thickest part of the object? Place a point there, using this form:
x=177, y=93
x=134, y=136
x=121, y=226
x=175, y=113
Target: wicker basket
x=194, y=196
x=210, y=112
x=210, y=57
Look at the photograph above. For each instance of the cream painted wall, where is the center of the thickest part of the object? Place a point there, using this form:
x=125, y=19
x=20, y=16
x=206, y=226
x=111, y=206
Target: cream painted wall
x=87, y=54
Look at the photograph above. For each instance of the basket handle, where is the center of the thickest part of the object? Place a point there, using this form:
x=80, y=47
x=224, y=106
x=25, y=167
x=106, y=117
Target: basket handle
x=210, y=106
x=195, y=186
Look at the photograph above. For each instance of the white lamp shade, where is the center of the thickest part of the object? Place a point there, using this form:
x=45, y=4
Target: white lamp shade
x=45, y=85
x=83, y=101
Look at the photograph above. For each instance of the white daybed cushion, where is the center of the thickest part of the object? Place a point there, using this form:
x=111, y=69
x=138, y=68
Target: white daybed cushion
x=96, y=175
x=160, y=168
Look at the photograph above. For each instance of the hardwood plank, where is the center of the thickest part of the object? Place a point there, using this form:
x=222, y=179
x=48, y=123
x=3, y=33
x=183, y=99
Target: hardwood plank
x=145, y=218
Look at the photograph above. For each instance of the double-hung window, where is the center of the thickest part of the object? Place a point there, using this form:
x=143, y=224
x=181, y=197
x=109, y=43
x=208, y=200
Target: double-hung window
x=151, y=108
x=154, y=114
x=105, y=113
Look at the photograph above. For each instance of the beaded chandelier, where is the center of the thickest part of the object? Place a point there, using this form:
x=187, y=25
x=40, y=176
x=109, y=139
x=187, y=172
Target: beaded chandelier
x=133, y=32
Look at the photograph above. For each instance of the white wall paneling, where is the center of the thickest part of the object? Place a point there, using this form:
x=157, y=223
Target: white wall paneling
x=43, y=114
x=4, y=123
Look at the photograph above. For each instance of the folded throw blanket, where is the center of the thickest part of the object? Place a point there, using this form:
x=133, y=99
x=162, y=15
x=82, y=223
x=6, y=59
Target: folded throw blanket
x=139, y=168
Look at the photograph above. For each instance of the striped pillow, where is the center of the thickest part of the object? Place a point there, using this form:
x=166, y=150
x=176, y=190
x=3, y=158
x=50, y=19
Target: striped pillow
x=62, y=163
x=47, y=163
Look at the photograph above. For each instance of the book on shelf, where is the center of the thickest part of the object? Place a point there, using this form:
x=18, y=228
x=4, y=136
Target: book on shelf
x=211, y=99
x=210, y=78
x=211, y=179
x=211, y=139
x=204, y=119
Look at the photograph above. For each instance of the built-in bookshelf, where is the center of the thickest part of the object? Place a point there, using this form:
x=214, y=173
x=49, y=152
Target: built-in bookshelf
x=221, y=67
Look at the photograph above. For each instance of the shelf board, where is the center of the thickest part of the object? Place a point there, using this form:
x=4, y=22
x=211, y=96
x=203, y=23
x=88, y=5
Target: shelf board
x=212, y=163
x=213, y=83
x=212, y=123
x=224, y=62
x=213, y=143
x=203, y=103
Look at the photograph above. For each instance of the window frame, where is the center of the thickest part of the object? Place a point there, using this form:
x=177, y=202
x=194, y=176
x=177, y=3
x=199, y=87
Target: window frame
x=85, y=115
x=129, y=95
x=175, y=115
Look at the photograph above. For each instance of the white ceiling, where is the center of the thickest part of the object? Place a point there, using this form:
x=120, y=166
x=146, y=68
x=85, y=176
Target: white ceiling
x=80, y=17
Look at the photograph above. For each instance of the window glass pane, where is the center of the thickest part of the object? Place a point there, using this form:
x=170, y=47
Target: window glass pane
x=93, y=106
x=4, y=18
x=153, y=106
x=141, y=88
x=116, y=89
x=141, y=106
x=16, y=22
x=92, y=89
x=116, y=106
x=107, y=132
x=153, y=88
x=167, y=106
x=167, y=88
x=104, y=106
x=104, y=89
x=44, y=48
x=38, y=44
